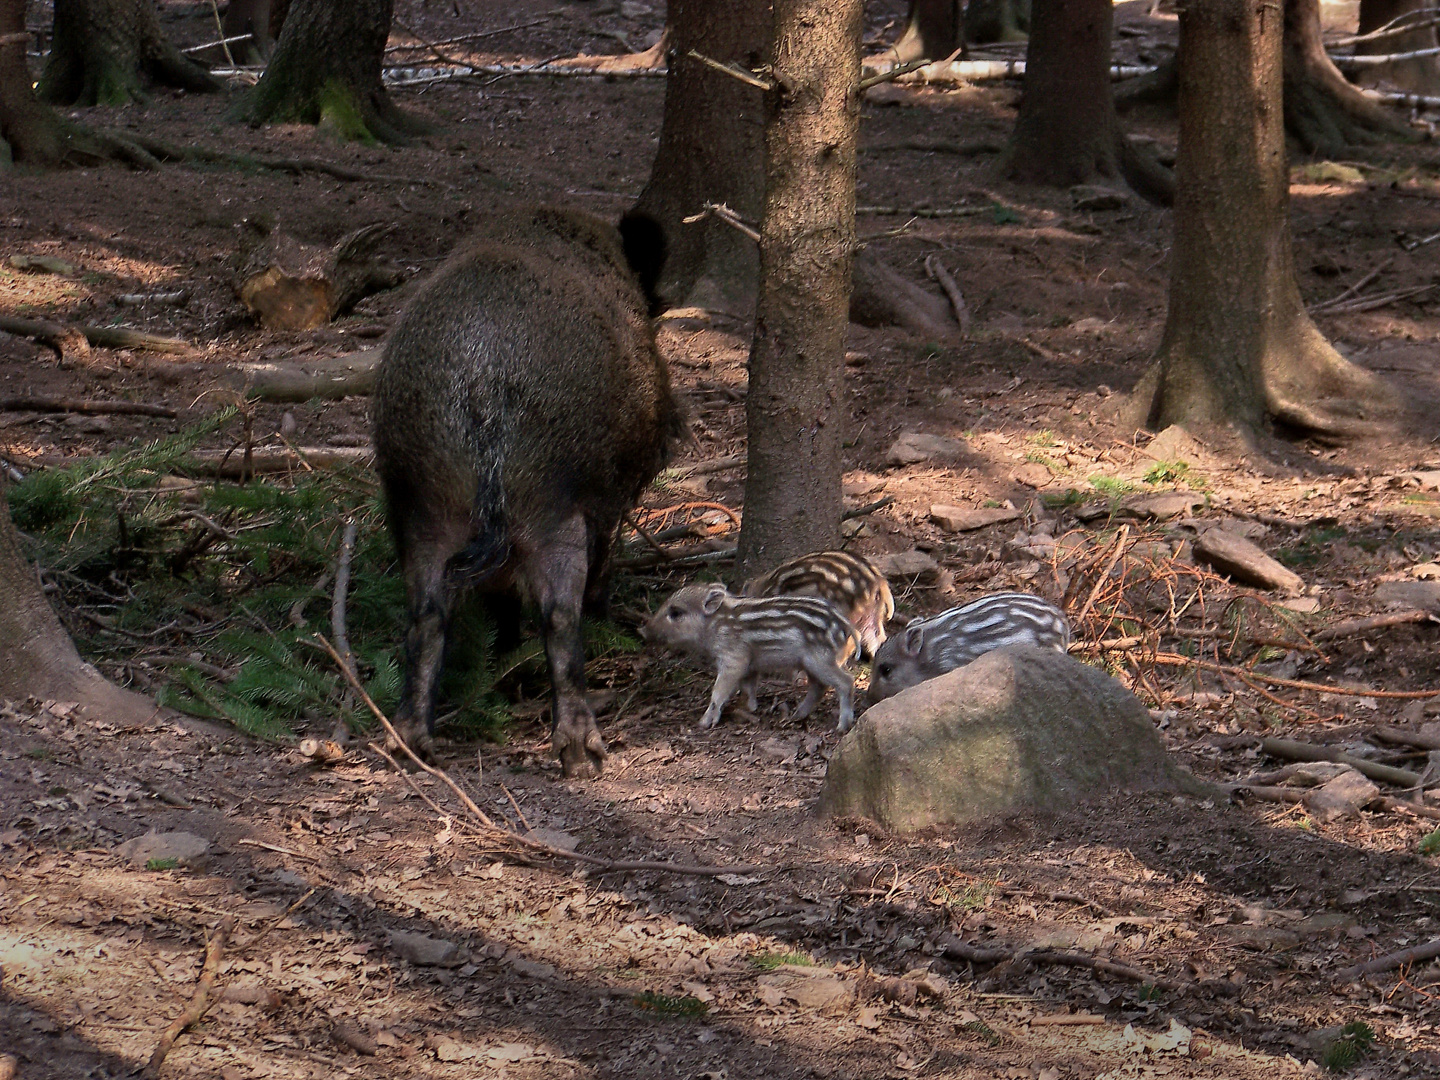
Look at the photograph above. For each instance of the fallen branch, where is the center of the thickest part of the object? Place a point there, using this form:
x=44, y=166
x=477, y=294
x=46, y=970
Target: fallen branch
x=1175, y=660
x=176, y=298
x=1401, y=737
x=868, y=508
x=890, y=75
x=330, y=378
x=1399, y=806
x=954, y=949
x=1267, y=792
x=1391, y=961
x=1394, y=28
x=604, y=866
x=107, y=337
x=86, y=407
x=69, y=344
x=1115, y=552
x=714, y=465
x=1291, y=750
x=1350, y=627
x=1108, y=967
x=1371, y=303
x=937, y=272
x=923, y=212
x=1325, y=305
x=702, y=558
x=728, y=216
x=1359, y=62
x=199, y=1001
x=337, y=603
x=272, y=460
x=477, y=36
x=735, y=71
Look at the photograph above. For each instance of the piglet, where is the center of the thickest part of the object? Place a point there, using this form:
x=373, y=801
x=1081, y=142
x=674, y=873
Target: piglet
x=851, y=582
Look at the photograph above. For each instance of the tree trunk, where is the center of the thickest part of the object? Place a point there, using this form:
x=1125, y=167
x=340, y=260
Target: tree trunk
x=104, y=52
x=1323, y=112
x=1238, y=346
x=1067, y=132
x=933, y=31
x=711, y=150
x=37, y=657
x=795, y=410
x=262, y=20
x=988, y=21
x=1418, y=76
x=326, y=71
x=31, y=133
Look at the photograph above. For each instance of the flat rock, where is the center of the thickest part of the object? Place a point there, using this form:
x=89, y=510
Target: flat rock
x=1019, y=728
x=1428, y=479
x=1032, y=474
x=1161, y=507
x=1417, y=594
x=1174, y=444
x=424, y=950
x=913, y=447
x=906, y=564
x=185, y=848
x=967, y=519
x=1096, y=197
x=555, y=838
x=1341, y=797
x=1238, y=557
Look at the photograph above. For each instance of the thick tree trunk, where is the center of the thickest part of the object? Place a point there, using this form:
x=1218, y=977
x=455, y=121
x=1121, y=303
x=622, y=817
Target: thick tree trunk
x=37, y=657
x=1418, y=76
x=988, y=21
x=105, y=52
x=795, y=410
x=711, y=150
x=326, y=71
x=262, y=20
x=933, y=31
x=1323, y=112
x=1067, y=132
x=1238, y=346
x=33, y=134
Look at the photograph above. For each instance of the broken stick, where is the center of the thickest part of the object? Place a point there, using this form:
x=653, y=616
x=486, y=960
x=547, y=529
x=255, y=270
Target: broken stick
x=199, y=1001
x=936, y=269
x=1390, y=962
x=1291, y=750
x=87, y=407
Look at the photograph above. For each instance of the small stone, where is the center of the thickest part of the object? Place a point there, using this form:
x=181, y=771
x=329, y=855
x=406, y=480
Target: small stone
x=1342, y=797
x=42, y=264
x=424, y=950
x=185, y=848
x=1238, y=557
x=1095, y=197
x=1301, y=605
x=555, y=838
x=1032, y=474
x=1161, y=507
x=1173, y=444
x=912, y=447
x=966, y=519
x=906, y=564
x=1416, y=594
x=1429, y=479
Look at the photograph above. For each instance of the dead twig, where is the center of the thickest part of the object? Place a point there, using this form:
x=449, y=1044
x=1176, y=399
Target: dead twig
x=936, y=269
x=1290, y=750
x=1402, y=737
x=106, y=337
x=1391, y=961
x=723, y=213
x=337, y=604
x=199, y=1001
x=1108, y=967
x=1115, y=552
x=1175, y=660
x=894, y=73
x=1351, y=627
x=735, y=71
x=650, y=541
x=868, y=508
x=84, y=406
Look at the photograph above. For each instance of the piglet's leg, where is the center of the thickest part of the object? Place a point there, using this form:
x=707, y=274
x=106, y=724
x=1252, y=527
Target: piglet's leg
x=833, y=676
x=813, y=690
x=556, y=570
x=748, y=685
x=727, y=680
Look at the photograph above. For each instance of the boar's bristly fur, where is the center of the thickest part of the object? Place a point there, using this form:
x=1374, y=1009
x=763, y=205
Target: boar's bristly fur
x=520, y=408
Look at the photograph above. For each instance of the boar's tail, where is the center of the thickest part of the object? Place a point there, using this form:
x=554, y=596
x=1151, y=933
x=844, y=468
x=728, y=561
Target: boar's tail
x=489, y=546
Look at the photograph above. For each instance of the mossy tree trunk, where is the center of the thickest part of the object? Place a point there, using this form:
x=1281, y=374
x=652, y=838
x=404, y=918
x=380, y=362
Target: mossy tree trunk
x=933, y=31
x=711, y=150
x=31, y=133
x=1239, y=348
x=1067, y=132
x=1323, y=112
x=795, y=410
x=326, y=70
x=106, y=52
x=1418, y=76
x=37, y=657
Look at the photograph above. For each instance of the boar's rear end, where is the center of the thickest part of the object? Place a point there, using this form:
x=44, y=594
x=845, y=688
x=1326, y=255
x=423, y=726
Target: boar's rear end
x=520, y=408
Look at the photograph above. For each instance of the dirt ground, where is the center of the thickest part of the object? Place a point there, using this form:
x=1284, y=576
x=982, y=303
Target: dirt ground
x=1240, y=912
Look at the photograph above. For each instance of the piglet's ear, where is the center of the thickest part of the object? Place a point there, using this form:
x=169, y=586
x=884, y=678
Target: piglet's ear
x=913, y=639
x=714, y=597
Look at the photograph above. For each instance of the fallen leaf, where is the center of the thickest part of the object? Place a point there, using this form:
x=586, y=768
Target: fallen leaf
x=868, y=1019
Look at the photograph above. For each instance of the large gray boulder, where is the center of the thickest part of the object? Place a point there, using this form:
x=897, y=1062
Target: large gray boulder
x=1019, y=728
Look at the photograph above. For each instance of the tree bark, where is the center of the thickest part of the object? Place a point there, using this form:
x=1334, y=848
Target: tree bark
x=1238, y=346
x=33, y=134
x=933, y=31
x=105, y=52
x=326, y=71
x=988, y=21
x=37, y=657
x=795, y=410
x=1067, y=132
x=1418, y=76
x=262, y=20
x=1323, y=112
x=711, y=150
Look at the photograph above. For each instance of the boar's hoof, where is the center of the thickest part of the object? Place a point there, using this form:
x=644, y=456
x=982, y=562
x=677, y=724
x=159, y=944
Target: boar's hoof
x=416, y=737
x=577, y=743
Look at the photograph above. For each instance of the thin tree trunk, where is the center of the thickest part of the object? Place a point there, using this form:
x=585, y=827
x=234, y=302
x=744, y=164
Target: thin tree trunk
x=326, y=71
x=262, y=20
x=1067, y=132
x=711, y=150
x=1322, y=111
x=1418, y=76
x=1238, y=346
x=795, y=410
x=104, y=52
x=933, y=31
x=33, y=134
x=37, y=657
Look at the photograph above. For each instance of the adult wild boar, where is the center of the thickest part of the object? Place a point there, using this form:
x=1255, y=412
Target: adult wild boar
x=520, y=408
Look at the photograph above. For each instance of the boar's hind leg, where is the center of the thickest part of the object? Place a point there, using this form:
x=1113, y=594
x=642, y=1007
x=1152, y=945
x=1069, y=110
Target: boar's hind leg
x=557, y=571
x=428, y=596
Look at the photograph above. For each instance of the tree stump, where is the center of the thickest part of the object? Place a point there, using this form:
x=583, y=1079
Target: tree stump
x=288, y=285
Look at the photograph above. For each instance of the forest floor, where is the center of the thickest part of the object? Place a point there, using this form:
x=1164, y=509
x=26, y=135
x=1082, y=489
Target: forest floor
x=1243, y=912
